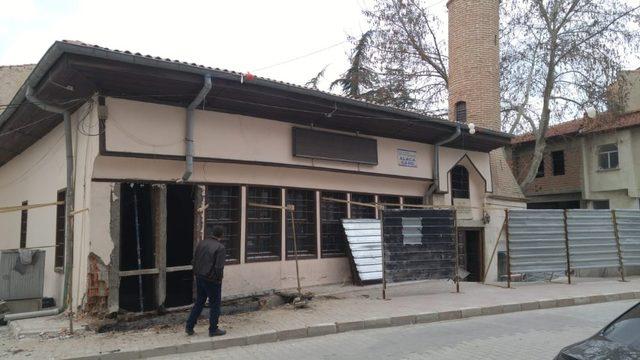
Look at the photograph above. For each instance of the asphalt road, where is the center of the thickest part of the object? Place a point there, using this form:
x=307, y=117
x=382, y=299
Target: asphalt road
x=535, y=335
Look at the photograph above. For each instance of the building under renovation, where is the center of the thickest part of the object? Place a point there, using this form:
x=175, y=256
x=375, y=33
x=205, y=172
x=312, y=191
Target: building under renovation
x=117, y=163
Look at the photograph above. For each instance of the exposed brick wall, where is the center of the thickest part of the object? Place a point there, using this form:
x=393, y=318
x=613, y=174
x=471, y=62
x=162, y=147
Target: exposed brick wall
x=97, y=286
x=571, y=181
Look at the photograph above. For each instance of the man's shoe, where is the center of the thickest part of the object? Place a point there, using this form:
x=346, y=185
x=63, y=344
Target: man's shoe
x=189, y=332
x=218, y=332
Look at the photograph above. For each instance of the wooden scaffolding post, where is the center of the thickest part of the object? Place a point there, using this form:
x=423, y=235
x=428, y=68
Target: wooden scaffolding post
x=493, y=254
x=455, y=237
x=506, y=219
x=566, y=245
x=292, y=210
x=617, y=237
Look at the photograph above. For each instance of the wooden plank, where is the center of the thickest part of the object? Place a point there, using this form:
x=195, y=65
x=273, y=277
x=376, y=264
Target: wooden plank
x=179, y=268
x=138, y=272
x=159, y=219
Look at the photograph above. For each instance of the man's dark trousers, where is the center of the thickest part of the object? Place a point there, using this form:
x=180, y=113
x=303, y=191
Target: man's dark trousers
x=206, y=289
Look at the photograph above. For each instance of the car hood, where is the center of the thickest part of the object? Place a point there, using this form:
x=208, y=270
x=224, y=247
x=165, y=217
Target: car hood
x=599, y=347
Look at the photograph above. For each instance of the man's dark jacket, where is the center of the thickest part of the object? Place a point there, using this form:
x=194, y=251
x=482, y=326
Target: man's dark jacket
x=208, y=260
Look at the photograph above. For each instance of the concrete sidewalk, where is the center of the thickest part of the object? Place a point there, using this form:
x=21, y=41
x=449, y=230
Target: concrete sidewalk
x=337, y=310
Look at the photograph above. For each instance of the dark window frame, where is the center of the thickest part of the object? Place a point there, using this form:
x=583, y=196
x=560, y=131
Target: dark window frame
x=248, y=224
x=232, y=223
x=331, y=225
x=461, y=111
x=360, y=209
x=460, y=188
x=307, y=243
x=610, y=153
x=389, y=199
x=60, y=232
x=24, y=219
x=601, y=204
x=413, y=200
x=557, y=162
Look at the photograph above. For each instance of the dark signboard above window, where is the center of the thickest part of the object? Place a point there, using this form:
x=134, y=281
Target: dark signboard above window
x=326, y=145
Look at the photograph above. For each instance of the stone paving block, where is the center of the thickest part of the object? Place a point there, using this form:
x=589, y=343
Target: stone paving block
x=612, y=297
x=403, y=320
x=229, y=342
x=194, y=346
x=582, y=300
x=565, y=302
x=159, y=351
x=449, y=315
x=597, y=299
x=377, y=323
x=547, y=303
x=531, y=305
x=267, y=337
x=349, y=326
x=292, y=334
x=321, y=329
x=426, y=317
x=627, y=296
x=507, y=308
x=470, y=312
x=491, y=310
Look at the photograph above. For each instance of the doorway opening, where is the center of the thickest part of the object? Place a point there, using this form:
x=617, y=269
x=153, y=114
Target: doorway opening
x=179, y=249
x=471, y=251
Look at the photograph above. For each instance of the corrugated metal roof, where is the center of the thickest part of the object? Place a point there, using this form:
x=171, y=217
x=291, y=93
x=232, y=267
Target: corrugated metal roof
x=365, y=242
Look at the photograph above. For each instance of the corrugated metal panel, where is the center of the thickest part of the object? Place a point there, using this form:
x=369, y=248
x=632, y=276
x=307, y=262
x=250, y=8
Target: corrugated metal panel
x=592, y=242
x=16, y=286
x=419, y=244
x=365, y=242
x=536, y=241
x=629, y=234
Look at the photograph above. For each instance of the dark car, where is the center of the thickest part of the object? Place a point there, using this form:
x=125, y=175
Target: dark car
x=619, y=340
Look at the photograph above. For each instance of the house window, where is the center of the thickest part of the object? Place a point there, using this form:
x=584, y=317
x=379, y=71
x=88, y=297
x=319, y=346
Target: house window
x=558, y=162
x=600, y=204
x=460, y=182
x=389, y=202
x=23, y=226
x=305, y=223
x=540, y=172
x=264, y=231
x=361, y=211
x=60, y=229
x=461, y=111
x=412, y=200
x=224, y=210
x=333, y=238
x=608, y=156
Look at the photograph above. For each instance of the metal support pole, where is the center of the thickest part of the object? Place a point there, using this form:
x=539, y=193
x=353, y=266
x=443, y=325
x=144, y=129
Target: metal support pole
x=138, y=249
x=566, y=246
x=382, y=250
x=506, y=219
x=455, y=237
x=617, y=237
x=292, y=209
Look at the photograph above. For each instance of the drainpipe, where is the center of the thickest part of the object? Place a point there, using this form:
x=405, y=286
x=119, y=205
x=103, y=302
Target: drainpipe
x=435, y=186
x=68, y=201
x=188, y=170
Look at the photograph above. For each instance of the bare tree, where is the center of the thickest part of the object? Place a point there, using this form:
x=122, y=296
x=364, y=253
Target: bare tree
x=558, y=56
x=315, y=81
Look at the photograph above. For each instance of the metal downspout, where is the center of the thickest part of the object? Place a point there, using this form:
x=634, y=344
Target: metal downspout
x=69, y=196
x=435, y=186
x=188, y=170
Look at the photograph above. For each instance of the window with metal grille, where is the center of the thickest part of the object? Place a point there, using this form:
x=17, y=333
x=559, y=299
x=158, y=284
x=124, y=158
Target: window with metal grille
x=263, y=241
x=333, y=239
x=540, y=172
x=412, y=200
x=389, y=201
x=60, y=229
x=224, y=210
x=608, y=156
x=305, y=223
x=600, y=204
x=460, y=182
x=23, y=225
x=558, y=162
x=461, y=111
x=361, y=211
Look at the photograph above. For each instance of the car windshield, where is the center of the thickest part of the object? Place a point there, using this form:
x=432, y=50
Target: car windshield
x=626, y=330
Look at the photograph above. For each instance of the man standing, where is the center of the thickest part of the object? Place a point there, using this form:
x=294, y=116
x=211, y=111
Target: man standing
x=208, y=268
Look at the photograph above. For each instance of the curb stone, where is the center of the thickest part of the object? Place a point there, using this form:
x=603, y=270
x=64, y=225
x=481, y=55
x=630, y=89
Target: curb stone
x=339, y=327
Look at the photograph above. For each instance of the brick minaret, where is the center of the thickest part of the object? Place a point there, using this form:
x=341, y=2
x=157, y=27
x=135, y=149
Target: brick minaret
x=474, y=76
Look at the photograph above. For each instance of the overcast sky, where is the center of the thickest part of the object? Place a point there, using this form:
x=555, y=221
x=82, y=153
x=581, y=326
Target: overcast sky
x=239, y=35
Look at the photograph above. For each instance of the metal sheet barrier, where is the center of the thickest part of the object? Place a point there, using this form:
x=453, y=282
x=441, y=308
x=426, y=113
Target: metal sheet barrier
x=537, y=241
x=364, y=237
x=419, y=244
x=628, y=222
x=592, y=240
